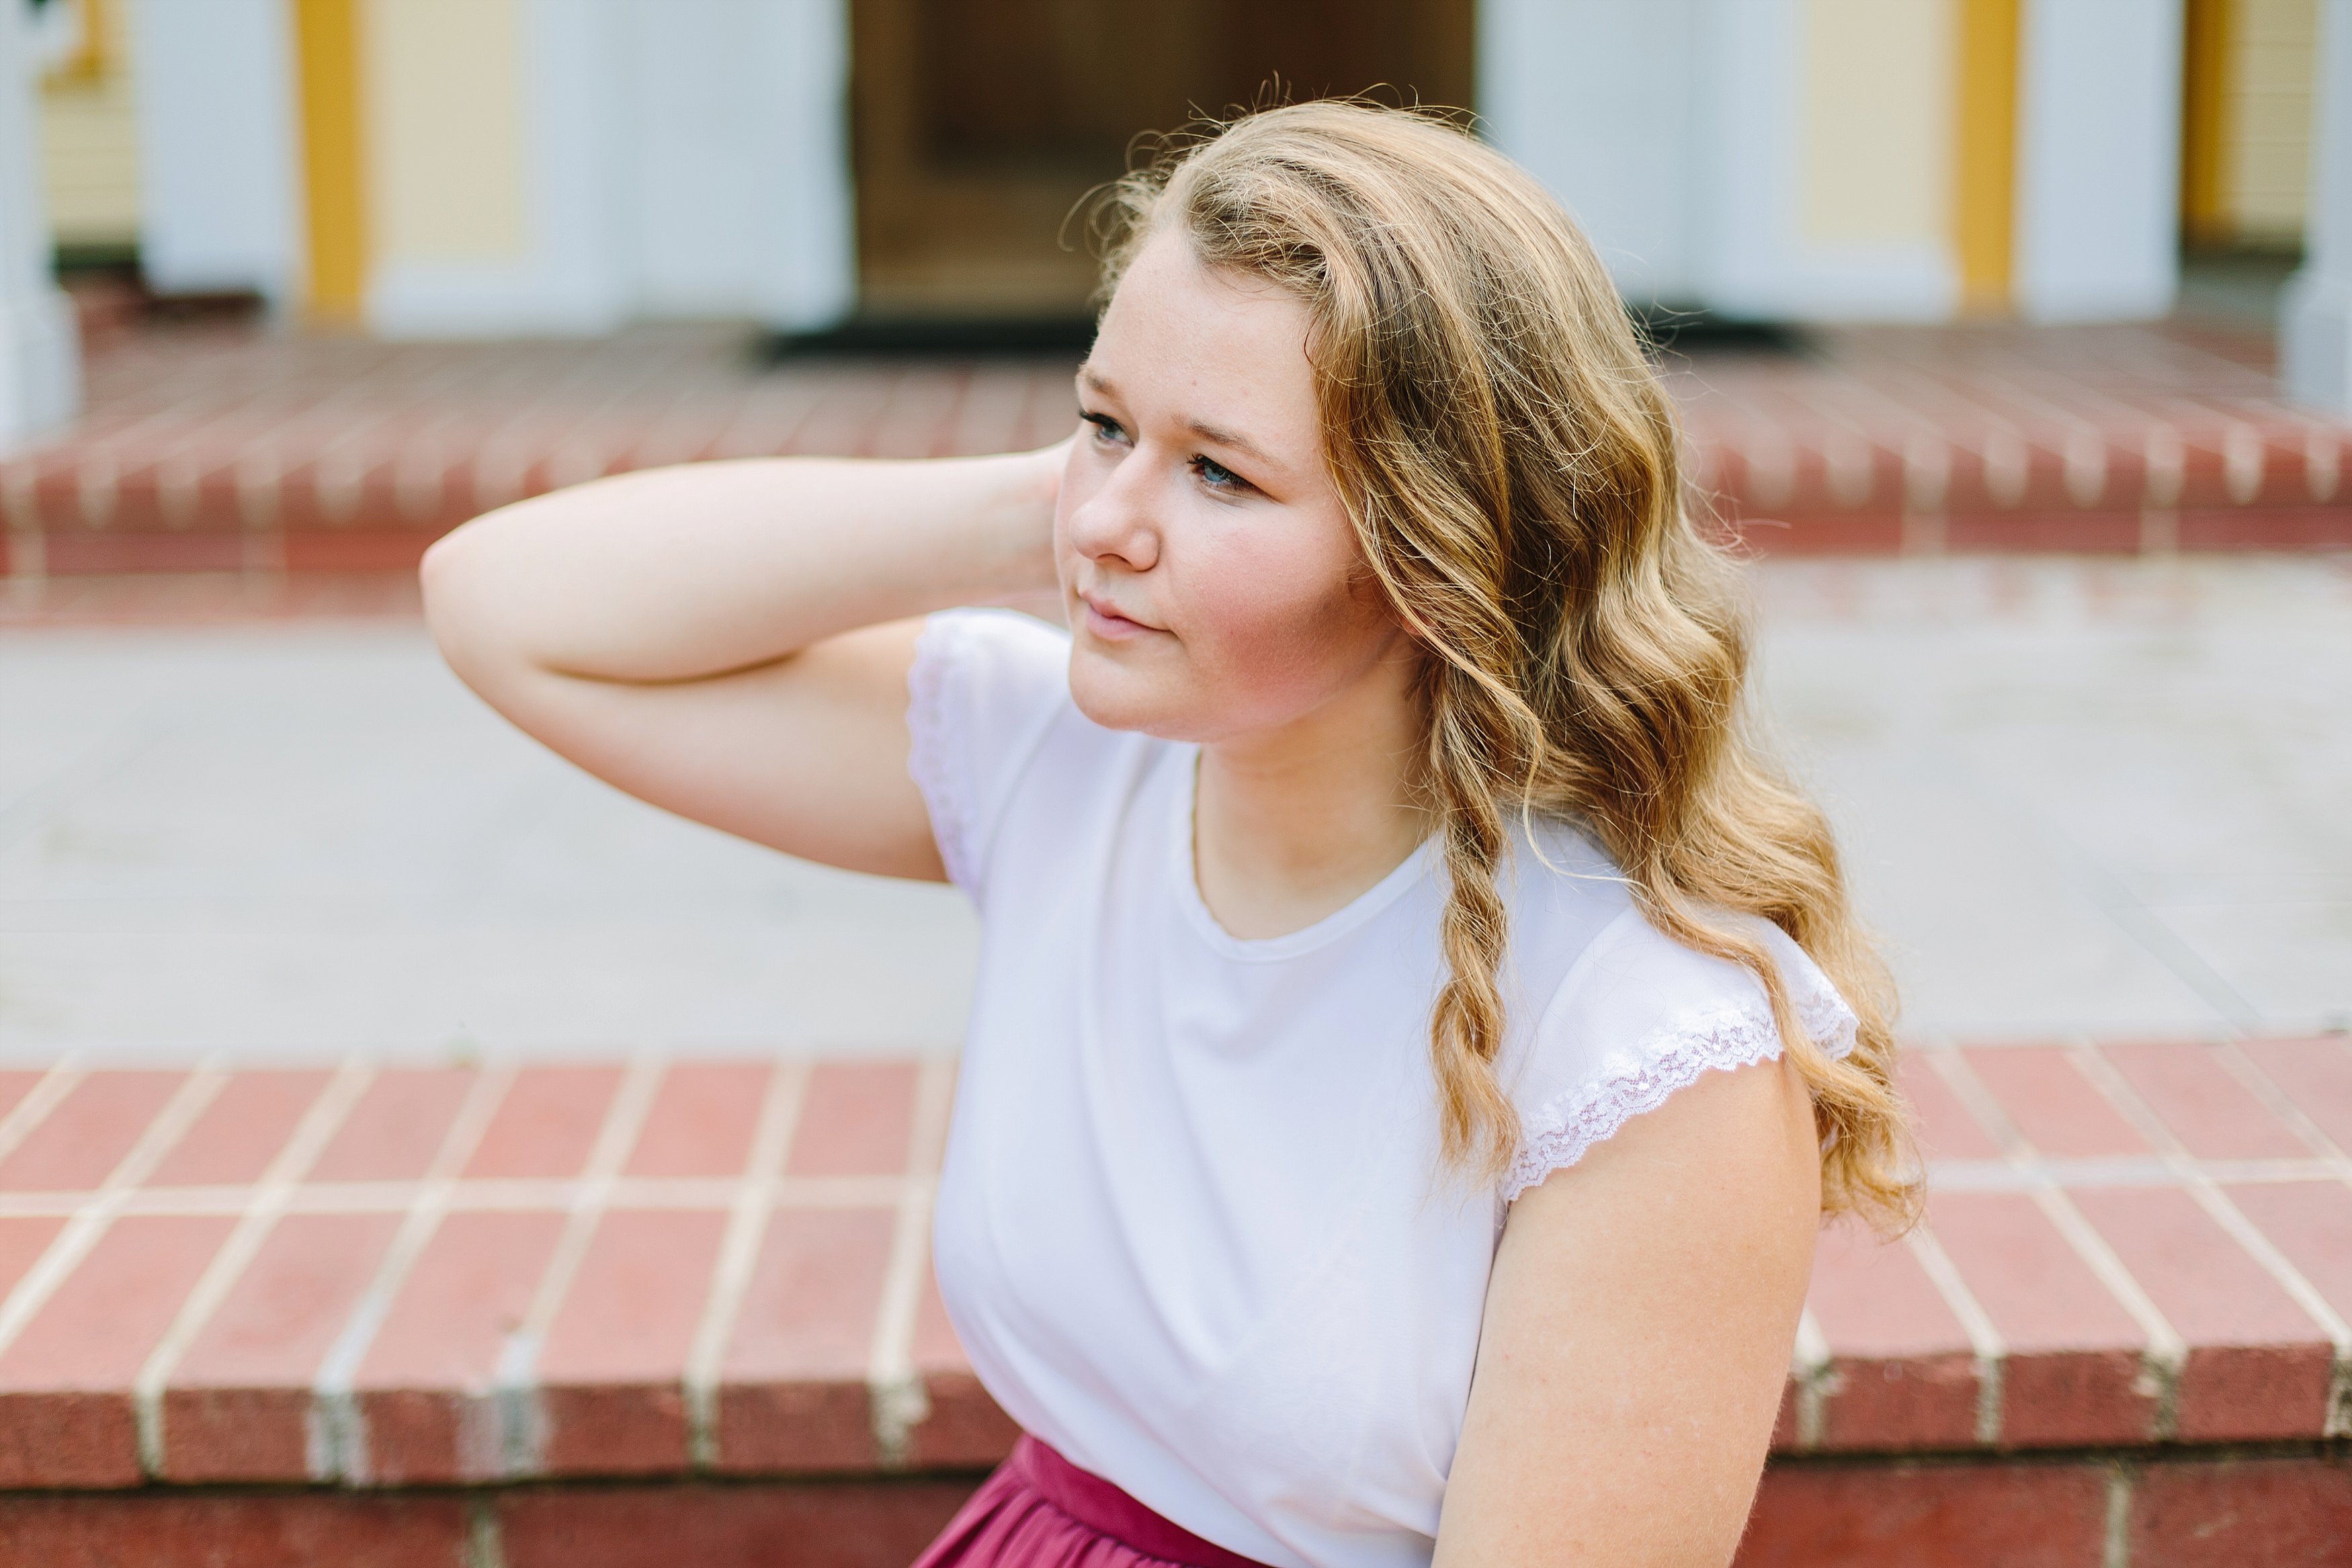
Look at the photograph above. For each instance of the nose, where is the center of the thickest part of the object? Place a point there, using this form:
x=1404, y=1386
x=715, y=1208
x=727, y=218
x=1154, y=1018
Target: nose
x=1116, y=522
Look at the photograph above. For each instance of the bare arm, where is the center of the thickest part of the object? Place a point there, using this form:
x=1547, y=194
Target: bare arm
x=732, y=639
x=1638, y=1326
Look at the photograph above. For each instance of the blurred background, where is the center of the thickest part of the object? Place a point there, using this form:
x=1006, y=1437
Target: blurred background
x=486, y=168
x=2011, y=336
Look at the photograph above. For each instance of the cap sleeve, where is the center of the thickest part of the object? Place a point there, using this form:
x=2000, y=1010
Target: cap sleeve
x=985, y=685
x=1641, y=1016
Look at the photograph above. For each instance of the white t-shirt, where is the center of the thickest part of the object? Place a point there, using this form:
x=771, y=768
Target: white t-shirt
x=1193, y=1227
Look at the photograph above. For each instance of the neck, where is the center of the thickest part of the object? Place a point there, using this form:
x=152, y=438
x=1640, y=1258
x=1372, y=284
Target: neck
x=1293, y=824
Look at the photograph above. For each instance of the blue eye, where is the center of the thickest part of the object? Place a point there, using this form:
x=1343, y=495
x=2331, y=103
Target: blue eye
x=1216, y=476
x=1106, y=427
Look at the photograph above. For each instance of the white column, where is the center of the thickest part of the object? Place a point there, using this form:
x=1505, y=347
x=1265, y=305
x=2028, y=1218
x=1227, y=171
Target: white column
x=41, y=361
x=1596, y=98
x=739, y=197
x=219, y=160
x=2098, y=159
x=2316, y=326
x=1762, y=157
x=808, y=268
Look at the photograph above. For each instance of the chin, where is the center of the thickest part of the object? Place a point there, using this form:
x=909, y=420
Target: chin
x=1118, y=697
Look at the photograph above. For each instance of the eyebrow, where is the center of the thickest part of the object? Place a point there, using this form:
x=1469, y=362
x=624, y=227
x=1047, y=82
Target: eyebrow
x=1216, y=435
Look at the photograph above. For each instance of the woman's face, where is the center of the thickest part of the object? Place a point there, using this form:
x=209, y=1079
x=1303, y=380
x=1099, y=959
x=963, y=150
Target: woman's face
x=1213, y=581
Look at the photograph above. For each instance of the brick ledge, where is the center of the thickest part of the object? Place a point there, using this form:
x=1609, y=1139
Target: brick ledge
x=403, y=1277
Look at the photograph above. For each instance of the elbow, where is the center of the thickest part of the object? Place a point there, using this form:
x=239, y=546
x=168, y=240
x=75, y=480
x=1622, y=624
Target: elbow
x=455, y=602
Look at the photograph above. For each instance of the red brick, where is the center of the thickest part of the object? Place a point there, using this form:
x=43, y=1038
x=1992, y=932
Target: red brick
x=2072, y=532
x=2058, y=1110
x=421, y=1384
x=241, y=1131
x=2200, y=1102
x=613, y=1372
x=238, y=1405
x=2074, y=1374
x=547, y=1123
x=1946, y=1129
x=2316, y=1076
x=1814, y=1515
x=702, y=1120
x=793, y=1380
x=1823, y=533
x=2258, y=1367
x=69, y=554
x=379, y=548
x=2311, y=1223
x=14, y=1087
x=65, y=1384
x=1905, y=1375
x=2240, y=1512
x=22, y=1242
x=966, y=1427
x=856, y=1120
x=201, y=1530
x=81, y=1141
x=397, y=1126
x=2266, y=528
x=808, y=1524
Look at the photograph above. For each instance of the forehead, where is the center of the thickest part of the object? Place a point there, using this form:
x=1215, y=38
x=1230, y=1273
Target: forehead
x=1193, y=343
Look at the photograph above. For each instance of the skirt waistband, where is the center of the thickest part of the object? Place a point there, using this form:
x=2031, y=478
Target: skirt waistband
x=1102, y=1506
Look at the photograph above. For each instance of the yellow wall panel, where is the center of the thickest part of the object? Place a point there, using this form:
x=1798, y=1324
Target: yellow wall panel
x=334, y=171
x=89, y=133
x=446, y=116
x=2272, y=54
x=1984, y=163
x=1877, y=126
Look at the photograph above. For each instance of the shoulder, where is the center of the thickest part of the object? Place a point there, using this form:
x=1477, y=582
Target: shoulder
x=984, y=688
x=974, y=651
x=1640, y=1016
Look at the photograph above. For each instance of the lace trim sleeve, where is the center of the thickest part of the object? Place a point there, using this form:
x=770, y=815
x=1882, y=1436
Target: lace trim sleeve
x=1733, y=1034
x=936, y=753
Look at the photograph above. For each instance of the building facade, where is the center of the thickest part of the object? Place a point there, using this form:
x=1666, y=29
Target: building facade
x=498, y=167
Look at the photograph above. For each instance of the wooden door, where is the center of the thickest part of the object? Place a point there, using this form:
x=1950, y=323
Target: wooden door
x=980, y=124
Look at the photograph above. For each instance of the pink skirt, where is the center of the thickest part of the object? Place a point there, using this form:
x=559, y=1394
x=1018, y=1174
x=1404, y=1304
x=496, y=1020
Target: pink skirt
x=1039, y=1511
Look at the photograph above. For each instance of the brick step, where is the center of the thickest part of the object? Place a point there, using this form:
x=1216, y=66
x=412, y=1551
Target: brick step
x=223, y=450
x=497, y=1294
x=2177, y=1511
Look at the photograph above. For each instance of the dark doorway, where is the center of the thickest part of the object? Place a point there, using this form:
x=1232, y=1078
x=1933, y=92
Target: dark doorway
x=979, y=123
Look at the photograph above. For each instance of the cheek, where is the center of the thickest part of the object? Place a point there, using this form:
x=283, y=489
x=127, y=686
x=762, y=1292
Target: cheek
x=1280, y=627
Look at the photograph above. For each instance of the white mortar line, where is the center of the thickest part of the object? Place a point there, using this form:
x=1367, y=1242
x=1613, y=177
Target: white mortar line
x=2338, y=1420
x=521, y=1422
x=895, y=1389
x=1808, y=1367
x=498, y=1195
x=738, y=1254
x=1984, y=1339
x=269, y=1201
x=2122, y=1170
x=338, y=1438
x=2279, y=1104
x=73, y=1243
x=2115, y=1540
x=38, y=1101
x=2166, y=1353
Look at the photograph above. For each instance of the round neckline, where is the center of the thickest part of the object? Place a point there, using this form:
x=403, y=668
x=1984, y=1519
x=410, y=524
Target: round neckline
x=1182, y=872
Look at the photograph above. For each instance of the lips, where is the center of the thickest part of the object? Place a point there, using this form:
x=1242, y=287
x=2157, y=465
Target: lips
x=1109, y=617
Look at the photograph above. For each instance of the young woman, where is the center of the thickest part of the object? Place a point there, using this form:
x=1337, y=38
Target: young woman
x=1416, y=1038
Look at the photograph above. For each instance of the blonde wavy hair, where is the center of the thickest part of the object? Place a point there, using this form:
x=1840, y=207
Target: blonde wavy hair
x=1511, y=464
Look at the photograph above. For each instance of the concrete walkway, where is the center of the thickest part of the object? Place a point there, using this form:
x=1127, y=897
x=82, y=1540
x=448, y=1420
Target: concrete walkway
x=2112, y=798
